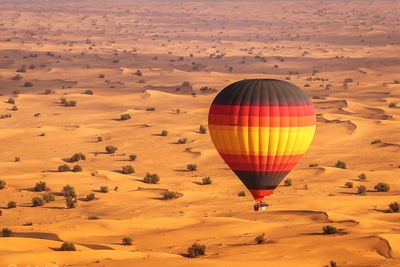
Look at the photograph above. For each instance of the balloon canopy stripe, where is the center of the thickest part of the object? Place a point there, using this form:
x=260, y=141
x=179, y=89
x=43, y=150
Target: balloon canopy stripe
x=262, y=121
x=261, y=128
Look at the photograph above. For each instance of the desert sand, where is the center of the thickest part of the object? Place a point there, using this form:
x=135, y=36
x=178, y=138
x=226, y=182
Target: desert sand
x=152, y=60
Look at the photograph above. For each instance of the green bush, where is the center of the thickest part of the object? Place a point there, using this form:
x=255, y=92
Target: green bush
x=260, y=239
x=341, y=165
x=111, y=149
x=394, y=207
x=90, y=197
x=206, y=180
x=6, y=232
x=203, y=129
x=128, y=169
x=171, y=195
x=69, y=191
x=2, y=184
x=11, y=204
x=67, y=246
x=37, y=201
x=77, y=168
x=132, y=157
x=125, y=117
x=382, y=187
x=362, y=177
x=41, y=186
x=191, y=167
x=288, y=182
x=104, y=189
x=196, y=250
x=64, y=168
x=348, y=184
x=182, y=141
x=151, y=178
x=126, y=241
x=241, y=194
x=77, y=157
x=362, y=190
x=48, y=198
x=88, y=92
x=329, y=230
x=164, y=133
x=70, y=202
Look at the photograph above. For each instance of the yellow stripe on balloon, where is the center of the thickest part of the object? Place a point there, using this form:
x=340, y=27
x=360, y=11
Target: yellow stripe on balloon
x=262, y=140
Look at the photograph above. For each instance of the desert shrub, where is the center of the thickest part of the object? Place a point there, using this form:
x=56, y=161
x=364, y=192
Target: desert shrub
x=392, y=105
x=151, y=178
x=260, y=239
x=93, y=217
x=77, y=168
x=99, y=139
x=6, y=232
x=48, y=92
x=329, y=230
x=88, y=92
x=70, y=202
x=111, y=149
x=348, y=80
x=63, y=100
x=11, y=204
x=2, y=184
x=206, y=180
x=11, y=101
x=203, y=129
x=90, y=196
x=14, y=108
x=17, y=159
x=64, y=168
x=191, y=167
x=362, y=177
x=126, y=241
x=182, y=140
x=171, y=195
x=241, y=194
x=124, y=117
x=340, y=164
x=104, y=189
x=332, y=264
x=288, y=182
x=164, y=133
x=77, y=157
x=41, y=186
x=37, y=201
x=348, y=184
x=196, y=250
x=70, y=103
x=48, y=198
x=394, y=207
x=69, y=191
x=312, y=165
x=1, y=212
x=150, y=109
x=128, y=169
x=132, y=157
x=138, y=73
x=362, y=190
x=102, y=76
x=67, y=246
x=382, y=187
x=376, y=141
x=28, y=84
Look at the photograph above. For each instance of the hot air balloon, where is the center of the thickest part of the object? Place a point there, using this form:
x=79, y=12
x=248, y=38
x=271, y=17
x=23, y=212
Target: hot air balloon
x=261, y=128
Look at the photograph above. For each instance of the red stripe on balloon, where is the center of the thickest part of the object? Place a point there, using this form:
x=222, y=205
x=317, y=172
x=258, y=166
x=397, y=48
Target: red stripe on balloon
x=262, y=121
x=266, y=111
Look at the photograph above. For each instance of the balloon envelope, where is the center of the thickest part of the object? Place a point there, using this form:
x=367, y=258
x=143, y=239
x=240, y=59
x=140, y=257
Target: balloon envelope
x=261, y=128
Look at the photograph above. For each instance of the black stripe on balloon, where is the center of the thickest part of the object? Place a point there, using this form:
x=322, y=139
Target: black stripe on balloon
x=261, y=91
x=261, y=180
